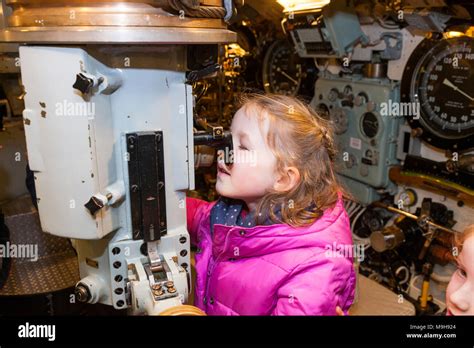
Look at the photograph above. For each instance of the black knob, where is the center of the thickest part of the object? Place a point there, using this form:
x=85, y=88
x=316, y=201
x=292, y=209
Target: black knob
x=83, y=83
x=94, y=205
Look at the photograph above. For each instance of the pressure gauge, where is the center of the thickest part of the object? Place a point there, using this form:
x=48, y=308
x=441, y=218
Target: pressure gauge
x=438, y=80
x=369, y=125
x=282, y=69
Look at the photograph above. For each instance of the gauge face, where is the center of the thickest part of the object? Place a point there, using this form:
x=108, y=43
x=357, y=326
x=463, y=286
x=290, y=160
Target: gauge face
x=322, y=110
x=439, y=79
x=369, y=125
x=282, y=70
x=333, y=94
x=347, y=90
x=339, y=120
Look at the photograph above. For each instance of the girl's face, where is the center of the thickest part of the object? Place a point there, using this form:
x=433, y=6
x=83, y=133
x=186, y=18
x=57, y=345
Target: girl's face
x=460, y=291
x=254, y=169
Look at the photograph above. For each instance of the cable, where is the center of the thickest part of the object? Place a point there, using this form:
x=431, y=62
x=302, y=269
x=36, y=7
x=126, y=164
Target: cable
x=359, y=240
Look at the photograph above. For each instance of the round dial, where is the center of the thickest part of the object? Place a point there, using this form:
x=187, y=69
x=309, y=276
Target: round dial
x=282, y=72
x=333, y=94
x=339, y=120
x=323, y=110
x=369, y=125
x=438, y=80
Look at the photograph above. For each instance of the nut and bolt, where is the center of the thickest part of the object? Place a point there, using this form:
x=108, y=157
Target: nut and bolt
x=156, y=286
x=158, y=292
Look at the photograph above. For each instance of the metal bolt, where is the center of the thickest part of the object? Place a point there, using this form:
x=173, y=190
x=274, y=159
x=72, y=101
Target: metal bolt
x=158, y=292
x=82, y=293
x=156, y=286
x=171, y=290
x=169, y=284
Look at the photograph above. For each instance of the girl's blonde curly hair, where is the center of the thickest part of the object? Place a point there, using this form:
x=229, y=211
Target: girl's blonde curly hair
x=298, y=137
x=460, y=238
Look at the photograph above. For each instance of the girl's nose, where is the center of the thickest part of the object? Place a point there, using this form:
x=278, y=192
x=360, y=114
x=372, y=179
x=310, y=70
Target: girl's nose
x=460, y=298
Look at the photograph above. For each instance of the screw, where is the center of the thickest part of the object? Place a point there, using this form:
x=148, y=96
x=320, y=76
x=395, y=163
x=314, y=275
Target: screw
x=169, y=284
x=171, y=290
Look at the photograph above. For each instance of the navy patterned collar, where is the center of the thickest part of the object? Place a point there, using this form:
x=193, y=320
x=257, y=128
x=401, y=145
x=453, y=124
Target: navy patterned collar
x=228, y=212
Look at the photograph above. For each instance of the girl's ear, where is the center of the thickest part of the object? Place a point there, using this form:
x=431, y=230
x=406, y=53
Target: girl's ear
x=287, y=180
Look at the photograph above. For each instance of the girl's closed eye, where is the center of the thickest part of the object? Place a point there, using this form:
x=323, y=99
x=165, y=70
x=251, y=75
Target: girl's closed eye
x=242, y=147
x=462, y=273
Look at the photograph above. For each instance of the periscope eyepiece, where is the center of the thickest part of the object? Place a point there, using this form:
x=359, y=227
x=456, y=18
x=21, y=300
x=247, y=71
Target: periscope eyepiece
x=217, y=138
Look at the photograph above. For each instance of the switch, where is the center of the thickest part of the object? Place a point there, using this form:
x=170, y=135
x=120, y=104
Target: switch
x=94, y=205
x=83, y=83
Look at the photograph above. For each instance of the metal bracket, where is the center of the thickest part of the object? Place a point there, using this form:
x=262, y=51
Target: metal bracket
x=147, y=185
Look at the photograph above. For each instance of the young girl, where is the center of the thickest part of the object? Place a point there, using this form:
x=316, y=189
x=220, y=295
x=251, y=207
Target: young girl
x=267, y=246
x=460, y=291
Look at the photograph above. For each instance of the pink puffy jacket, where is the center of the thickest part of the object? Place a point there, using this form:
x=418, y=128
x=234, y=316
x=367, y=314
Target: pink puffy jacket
x=274, y=269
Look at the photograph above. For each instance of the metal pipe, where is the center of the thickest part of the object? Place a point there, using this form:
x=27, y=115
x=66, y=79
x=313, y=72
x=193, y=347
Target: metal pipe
x=414, y=217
